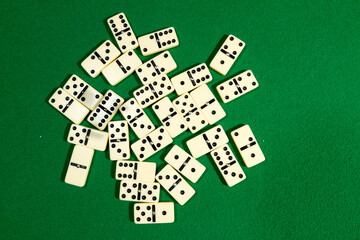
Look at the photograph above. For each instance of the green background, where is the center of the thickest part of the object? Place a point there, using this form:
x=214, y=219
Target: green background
x=305, y=115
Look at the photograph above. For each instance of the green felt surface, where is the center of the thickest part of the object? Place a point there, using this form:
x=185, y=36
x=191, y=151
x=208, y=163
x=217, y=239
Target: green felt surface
x=305, y=115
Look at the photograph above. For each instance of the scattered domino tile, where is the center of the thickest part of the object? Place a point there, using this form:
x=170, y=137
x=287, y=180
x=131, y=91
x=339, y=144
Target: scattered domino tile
x=105, y=110
x=151, y=143
x=209, y=106
x=100, y=58
x=154, y=91
x=158, y=41
x=139, y=191
x=79, y=165
x=122, y=67
x=155, y=67
x=227, y=54
x=68, y=106
x=135, y=171
x=175, y=185
x=207, y=141
x=83, y=92
x=88, y=137
x=247, y=145
x=184, y=163
x=123, y=33
x=137, y=118
x=191, y=79
x=191, y=114
x=228, y=165
x=146, y=213
x=119, y=144
x=237, y=86
x=169, y=117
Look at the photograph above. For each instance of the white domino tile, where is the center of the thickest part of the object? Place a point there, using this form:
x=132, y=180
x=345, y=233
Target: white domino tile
x=151, y=143
x=100, y=58
x=207, y=141
x=189, y=111
x=123, y=33
x=247, y=145
x=139, y=191
x=122, y=67
x=105, y=110
x=147, y=213
x=169, y=117
x=155, y=67
x=185, y=164
x=227, y=164
x=191, y=79
x=88, y=137
x=68, y=106
x=227, y=54
x=83, y=92
x=119, y=144
x=135, y=171
x=175, y=185
x=209, y=106
x=139, y=122
x=154, y=91
x=237, y=86
x=158, y=41
x=79, y=166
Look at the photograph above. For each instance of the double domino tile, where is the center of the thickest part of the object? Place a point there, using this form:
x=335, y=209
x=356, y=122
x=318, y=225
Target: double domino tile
x=158, y=41
x=100, y=58
x=119, y=144
x=227, y=54
x=247, y=145
x=155, y=67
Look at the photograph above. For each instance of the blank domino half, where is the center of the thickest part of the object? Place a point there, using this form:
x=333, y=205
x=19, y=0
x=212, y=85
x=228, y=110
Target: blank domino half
x=155, y=67
x=237, y=86
x=100, y=58
x=146, y=213
x=123, y=33
x=228, y=165
x=88, y=137
x=119, y=145
x=175, y=185
x=185, y=164
x=68, y=106
x=151, y=143
x=122, y=67
x=191, y=79
x=158, y=41
x=209, y=106
x=135, y=171
x=83, y=92
x=227, y=54
x=154, y=91
x=247, y=145
x=79, y=166
x=207, y=141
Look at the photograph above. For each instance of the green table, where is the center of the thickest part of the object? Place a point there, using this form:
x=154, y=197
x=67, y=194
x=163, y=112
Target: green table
x=305, y=115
